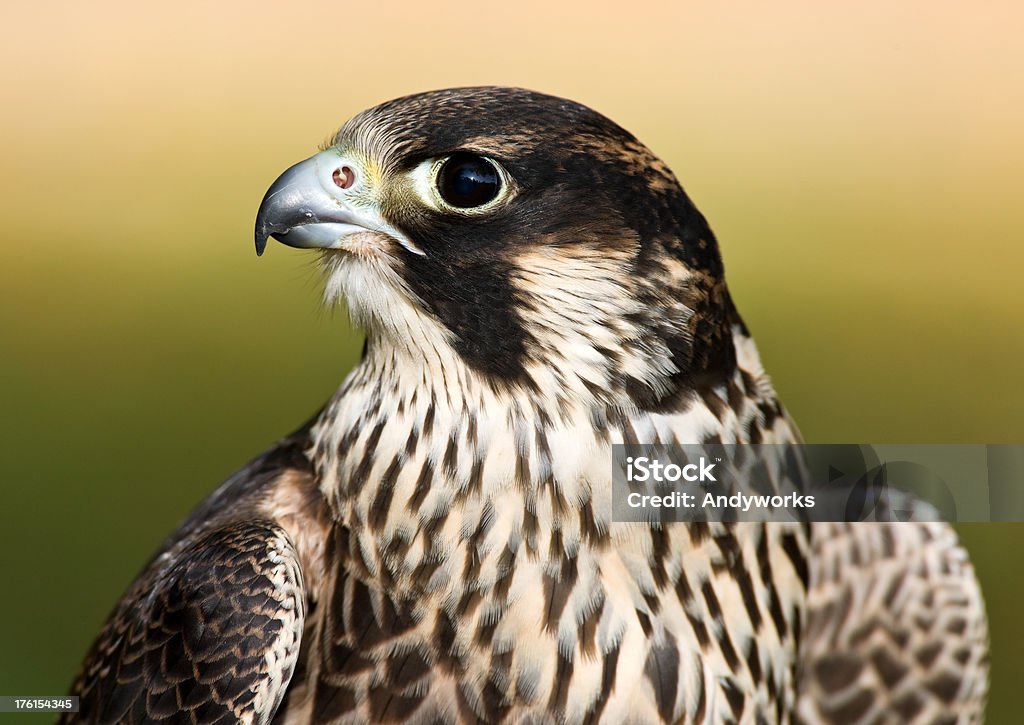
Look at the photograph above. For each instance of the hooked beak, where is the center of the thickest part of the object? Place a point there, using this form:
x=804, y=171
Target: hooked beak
x=306, y=208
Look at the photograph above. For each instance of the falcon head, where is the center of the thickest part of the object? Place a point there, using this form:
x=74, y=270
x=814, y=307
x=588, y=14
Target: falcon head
x=524, y=237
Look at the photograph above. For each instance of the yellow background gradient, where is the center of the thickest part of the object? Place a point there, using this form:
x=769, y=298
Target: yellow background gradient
x=861, y=163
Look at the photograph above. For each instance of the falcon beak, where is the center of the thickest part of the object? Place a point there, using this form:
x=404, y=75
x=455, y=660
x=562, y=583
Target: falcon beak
x=310, y=207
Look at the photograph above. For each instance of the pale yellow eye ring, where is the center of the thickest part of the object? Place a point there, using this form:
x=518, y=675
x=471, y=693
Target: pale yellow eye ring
x=423, y=181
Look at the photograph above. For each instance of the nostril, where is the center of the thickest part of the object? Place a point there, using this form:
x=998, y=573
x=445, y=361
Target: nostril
x=344, y=177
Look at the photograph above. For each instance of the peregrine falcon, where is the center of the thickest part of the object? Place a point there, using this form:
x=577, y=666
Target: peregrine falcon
x=437, y=543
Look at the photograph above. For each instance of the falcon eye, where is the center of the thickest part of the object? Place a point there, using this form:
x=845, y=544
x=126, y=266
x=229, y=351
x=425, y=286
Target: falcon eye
x=466, y=181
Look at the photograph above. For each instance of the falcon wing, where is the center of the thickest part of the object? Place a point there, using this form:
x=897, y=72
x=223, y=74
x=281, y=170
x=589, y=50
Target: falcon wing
x=896, y=628
x=211, y=630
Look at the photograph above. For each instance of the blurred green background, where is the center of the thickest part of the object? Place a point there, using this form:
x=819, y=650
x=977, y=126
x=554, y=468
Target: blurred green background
x=861, y=165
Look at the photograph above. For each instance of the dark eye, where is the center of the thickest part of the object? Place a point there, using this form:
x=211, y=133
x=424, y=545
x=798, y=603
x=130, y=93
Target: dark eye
x=466, y=181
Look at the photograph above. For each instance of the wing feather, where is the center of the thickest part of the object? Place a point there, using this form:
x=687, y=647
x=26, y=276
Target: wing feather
x=896, y=627
x=211, y=630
